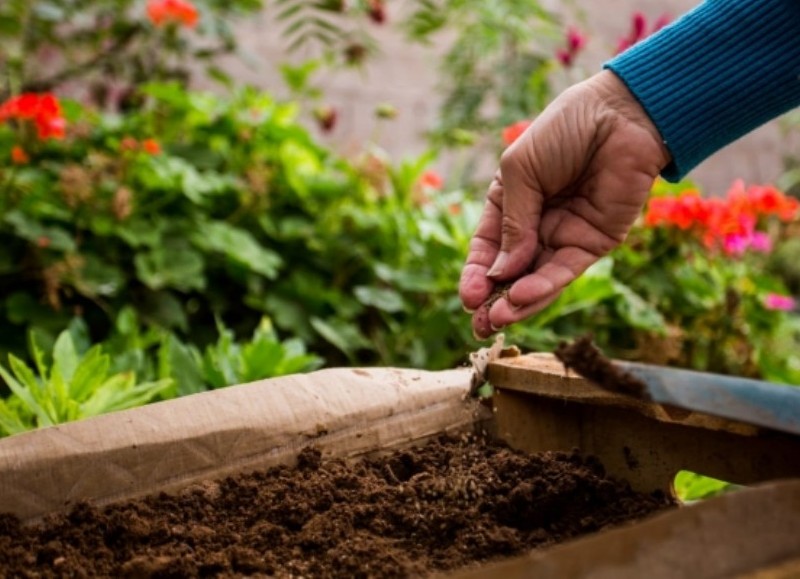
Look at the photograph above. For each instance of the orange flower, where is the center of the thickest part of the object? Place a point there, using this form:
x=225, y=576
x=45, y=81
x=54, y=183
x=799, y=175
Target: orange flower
x=151, y=146
x=768, y=200
x=163, y=12
x=19, y=156
x=513, y=132
x=431, y=180
x=43, y=110
x=728, y=223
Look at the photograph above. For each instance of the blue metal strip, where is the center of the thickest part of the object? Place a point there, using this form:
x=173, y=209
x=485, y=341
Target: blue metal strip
x=775, y=406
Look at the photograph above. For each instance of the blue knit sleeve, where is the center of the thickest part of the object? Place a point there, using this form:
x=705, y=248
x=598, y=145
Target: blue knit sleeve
x=715, y=74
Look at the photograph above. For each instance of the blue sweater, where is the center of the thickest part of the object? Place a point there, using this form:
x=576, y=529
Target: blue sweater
x=717, y=73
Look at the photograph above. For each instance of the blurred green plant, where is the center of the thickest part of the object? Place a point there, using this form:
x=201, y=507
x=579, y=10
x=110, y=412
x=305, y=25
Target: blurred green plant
x=691, y=487
x=358, y=259
x=108, y=47
x=497, y=67
x=70, y=386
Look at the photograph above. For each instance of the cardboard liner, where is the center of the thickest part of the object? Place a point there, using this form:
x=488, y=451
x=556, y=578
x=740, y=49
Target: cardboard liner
x=168, y=445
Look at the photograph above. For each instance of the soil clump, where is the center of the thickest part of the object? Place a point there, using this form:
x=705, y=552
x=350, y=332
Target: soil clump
x=588, y=361
x=452, y=503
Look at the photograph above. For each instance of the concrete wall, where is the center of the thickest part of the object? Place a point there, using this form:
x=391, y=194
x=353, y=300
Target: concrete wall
x=406, y=76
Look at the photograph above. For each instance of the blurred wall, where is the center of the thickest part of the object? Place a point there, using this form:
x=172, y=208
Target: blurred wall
x=406, y=76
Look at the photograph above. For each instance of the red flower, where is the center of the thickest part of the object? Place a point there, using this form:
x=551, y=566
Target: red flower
x=727, y=223
x=163, y=12
x=639, y=30
x=513, y=132
x=151, y=146
x=51, y=127
x=376, y=11
x=326, y=117
x=575, y=42
x=431, y=180
x=19, y=156
x=43, y=110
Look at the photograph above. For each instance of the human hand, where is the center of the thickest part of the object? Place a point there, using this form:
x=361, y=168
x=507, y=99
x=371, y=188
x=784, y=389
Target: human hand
x=567, y=192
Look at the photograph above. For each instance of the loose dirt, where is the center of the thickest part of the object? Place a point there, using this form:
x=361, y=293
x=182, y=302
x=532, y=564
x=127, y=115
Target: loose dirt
x=450, y=504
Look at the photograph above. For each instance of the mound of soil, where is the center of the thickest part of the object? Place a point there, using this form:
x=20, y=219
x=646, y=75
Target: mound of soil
x=449, y=504
x=586, y=359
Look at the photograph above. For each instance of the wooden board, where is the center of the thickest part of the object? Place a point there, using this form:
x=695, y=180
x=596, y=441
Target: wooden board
x=538, y=406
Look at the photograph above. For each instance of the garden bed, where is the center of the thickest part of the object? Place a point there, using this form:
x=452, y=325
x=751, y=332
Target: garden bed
x=453, y=503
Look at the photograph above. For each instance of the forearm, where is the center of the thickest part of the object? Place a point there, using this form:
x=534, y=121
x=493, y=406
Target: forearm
x=716, y=74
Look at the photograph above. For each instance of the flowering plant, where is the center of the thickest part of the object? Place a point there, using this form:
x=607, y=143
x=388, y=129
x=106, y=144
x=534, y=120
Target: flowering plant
x=702, y=261
x=103, y=49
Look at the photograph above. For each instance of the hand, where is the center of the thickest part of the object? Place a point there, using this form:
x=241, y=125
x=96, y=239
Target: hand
x=567, y=192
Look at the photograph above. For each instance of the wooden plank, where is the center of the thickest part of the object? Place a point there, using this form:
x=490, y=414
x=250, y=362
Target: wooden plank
x=542, y=374
x=731, y=536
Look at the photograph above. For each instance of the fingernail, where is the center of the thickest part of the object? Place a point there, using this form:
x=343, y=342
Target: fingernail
x=496, y=328
x=467, y=310
x=499, y=265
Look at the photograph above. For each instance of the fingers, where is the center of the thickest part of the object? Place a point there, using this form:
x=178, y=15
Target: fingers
x=482, y=328
x=532, y=293
x=475, y=287
x=505, y=242
x=522, y=204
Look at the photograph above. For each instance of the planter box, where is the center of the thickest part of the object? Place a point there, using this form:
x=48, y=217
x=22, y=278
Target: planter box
x=351, y=412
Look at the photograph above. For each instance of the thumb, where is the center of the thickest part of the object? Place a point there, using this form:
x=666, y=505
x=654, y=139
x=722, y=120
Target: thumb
x=522, y=207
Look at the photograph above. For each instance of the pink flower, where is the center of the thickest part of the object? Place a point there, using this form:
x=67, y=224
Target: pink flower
x=639, y=31
x=735, y=244
x=575, y=42
x=779, y=302
x=761, y=242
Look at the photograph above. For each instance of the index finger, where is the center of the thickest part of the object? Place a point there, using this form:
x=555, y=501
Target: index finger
x=475, y=287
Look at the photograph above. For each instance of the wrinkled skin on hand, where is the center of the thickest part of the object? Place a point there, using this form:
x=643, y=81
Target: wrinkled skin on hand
x=567, y=192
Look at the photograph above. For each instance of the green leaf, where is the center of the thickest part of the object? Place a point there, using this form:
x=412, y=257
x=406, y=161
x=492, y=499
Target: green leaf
x=89, y=374
x=26, y=395
x=179, y=267
x=239, y=246
x=345, y=336
x=385, y=299
x=65, y=358
x=33, y=231
x=261, y=359
x=119, y=393
x=183, y=364
x=302, y=165
x=692, y=487
x=163, y=309
x=97, y=278
x=636, y=311
x=10, y=421
x=140, y=233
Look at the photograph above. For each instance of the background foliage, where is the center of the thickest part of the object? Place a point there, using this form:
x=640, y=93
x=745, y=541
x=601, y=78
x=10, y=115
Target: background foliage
x=175, y=241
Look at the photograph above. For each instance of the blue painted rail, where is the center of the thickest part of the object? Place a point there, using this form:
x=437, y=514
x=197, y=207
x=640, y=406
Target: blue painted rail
x=775, y=406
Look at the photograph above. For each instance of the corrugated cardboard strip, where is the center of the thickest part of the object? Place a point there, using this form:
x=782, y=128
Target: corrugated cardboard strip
x=168, y=445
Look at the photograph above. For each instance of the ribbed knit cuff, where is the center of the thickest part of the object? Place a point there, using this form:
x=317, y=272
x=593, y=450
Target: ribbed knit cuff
x=717, y=73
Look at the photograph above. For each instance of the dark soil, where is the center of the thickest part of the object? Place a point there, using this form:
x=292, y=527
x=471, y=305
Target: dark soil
x=588, y=361
x=450, y=504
